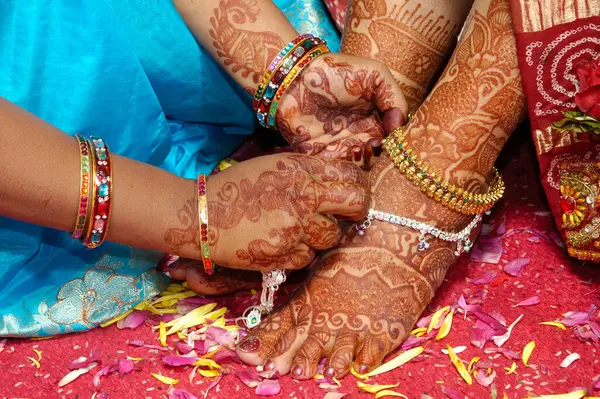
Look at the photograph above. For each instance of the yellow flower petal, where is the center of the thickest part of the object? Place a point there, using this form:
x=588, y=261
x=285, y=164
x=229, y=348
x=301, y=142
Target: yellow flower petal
x=418, y=331
x=512, y=369
x=435, y=319
x=505, y=396
x=162, y=333
x=172, y=297
x=374, y=388
x=382, y=394
x=34, y=362
x=173, y=288
x=39, y=354
x=209, y=373
x=253, y=291
x=112, y=321
x=182, y=335
x=359, y=376
x=207, y=363
x=445, y=328
x=460, y=366
x=164, y=379
x=397, y=361
x=197, y=313
x=472, y=363
x=135, y=359
x=571, y=395
x=527, y=352
x=555, y=324
x=337, y=382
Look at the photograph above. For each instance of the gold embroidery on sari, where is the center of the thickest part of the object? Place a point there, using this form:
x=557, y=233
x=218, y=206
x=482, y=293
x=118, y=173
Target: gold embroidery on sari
x=539, y=15
x=547, y=139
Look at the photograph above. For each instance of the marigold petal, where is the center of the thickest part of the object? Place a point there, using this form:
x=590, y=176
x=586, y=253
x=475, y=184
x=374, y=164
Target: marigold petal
x=374, y=388
x=435, y=319
x=571, y=395
x=512, y=369
x=162, y=333
x=209, y=373
x=39, y=354
x=527, y=352
x=34, y=362
x=203, y=362
x=554, y=324
x=165, y=379
x=382, y=394
x=459, y=365
x=418, y=331
x=398, y=361
x=472, y=363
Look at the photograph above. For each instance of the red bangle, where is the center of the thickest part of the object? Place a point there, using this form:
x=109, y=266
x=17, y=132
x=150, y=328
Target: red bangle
x=84, y=187
x=103, y=191
x=203, y=223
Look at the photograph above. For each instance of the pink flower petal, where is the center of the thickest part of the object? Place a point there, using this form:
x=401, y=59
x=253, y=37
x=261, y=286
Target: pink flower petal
x=487, y=250
x=483, y=379
x=595, y=328
x=141, y=343
x=483, y=364
x=514, y=267
x=133, y=320
x=490, y=321
x=249, y=377
x=219, y=335
x=486, y=229
x=424, y=321
x=177, y=393
x=501, y=229
x=177, y=360
x=506, y=352
x=268, y=388
x=534, y=300
x=184, y=348
x=272, y=374
x=79, y=364
x=451, y=393
x=103, y=371
x=334, y=395
x=2, y=344
x=125, y=366
x=214, y=383
x=485, y=278
x=478, y=337
x=412, y=342
x=224, y=355
x=498, y=317
x=202, y=346
x=575, y=318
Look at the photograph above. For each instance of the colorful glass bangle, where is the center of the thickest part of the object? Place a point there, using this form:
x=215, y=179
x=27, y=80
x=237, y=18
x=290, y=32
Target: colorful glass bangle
x=203, y=223
x=275, y=64
x=287, y=65
x=84, y=187
x=297, y=69
x=430, y=183
x=102, y=200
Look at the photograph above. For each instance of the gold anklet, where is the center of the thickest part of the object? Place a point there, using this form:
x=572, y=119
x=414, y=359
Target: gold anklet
x=419, y=174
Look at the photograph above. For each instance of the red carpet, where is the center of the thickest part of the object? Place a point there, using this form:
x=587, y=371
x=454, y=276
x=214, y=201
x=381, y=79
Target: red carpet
x=561, y=284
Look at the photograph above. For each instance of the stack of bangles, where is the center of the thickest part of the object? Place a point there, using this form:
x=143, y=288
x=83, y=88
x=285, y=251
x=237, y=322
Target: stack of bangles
x=280, y=74
x=95, y=194
x=429, y=182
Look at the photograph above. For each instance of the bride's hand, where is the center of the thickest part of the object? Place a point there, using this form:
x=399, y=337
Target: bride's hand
x=338, y=104
x=271, y=212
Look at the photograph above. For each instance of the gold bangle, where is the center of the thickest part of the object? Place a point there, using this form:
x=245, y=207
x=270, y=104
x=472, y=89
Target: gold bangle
x=430, y=183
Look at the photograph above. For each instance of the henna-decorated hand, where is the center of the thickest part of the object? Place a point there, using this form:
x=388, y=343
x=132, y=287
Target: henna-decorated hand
x=338, y=105
x=272, y=212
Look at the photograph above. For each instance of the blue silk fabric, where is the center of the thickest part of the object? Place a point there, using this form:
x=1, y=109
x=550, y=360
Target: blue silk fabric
x=128, y=71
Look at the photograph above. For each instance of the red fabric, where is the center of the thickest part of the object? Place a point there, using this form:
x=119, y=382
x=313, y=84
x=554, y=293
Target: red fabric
x=337, y=9
x=561, y=283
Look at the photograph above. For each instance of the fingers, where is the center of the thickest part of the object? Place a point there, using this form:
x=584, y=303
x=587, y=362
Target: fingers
x=342, y=199
x=297, y=258
x=333, y=170
x=321, y=232
x=389, y=97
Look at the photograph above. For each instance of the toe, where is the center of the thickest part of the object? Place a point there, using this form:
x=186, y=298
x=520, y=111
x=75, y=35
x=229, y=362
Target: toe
x=306, y=361
x=340, y=359
x=371, y=354
x=262, y=341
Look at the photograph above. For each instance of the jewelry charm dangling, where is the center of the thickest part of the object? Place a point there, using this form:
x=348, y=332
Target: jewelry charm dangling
x=252, y=317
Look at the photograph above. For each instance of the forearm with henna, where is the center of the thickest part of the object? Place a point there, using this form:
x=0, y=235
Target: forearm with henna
x=414, y=38
x=242, y=35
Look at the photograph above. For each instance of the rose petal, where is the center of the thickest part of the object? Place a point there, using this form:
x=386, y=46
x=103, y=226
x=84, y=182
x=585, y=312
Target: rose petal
x=184, y=348
x=224, y=355
x=575, y=318
x=489, y=320
x=487, y=250
x=249, y=377
x=486, y=229
x=452, y=394
x=506, y=352
x=125, y=366
x=534, y=300
x=268, y=388
x=478, y=337
x=177, y=393
x=411, y=342
x=500, y=340
x=334, y=395
x=202, y=347
x=595, y=327
x=501, y=229
x=177, y=360
x=498, y=317
x=485, y=278
x=133, y=320
x=219, y=335
x=103, y=371
x=514, y=267
x=83, y=362
x=141, y=343
x=483, y=379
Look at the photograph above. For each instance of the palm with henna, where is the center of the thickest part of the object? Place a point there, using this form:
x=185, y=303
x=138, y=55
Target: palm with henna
x=365, y=296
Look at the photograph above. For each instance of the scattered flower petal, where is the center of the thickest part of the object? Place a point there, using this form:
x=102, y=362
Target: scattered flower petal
x=184, y=348
x=460, y=366
x=177, y=393
x=554, y=324
x=570, y=359
x=140, y=343
x=485, y=278
x=452, y=394
x=73, y=375
x=178, y=360
x=224, y=355
x=446, y=326
x=334, y=395
x=268, y=388
x=83, y=362
x=512, y=369
x=162, y=333
x=219, y=335
x=483, y=378
x=506, y=352
x=165, y=379
x=500, y=340
x=437, y=316
x=398, y=361
x=382, y=394
x=456, y=349
x=125, y=366
x=571, y=395
x=103, y=371
x=471, y=363
x=534, y=300
x=374, y=388
x=411, y=342
x=133, y=320
x=487, y=250
x=515, y=267
x=527, y=352
x=249, y=377
x=478, y=337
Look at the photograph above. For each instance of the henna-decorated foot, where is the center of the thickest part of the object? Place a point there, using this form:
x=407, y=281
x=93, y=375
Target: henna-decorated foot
x=223, y=281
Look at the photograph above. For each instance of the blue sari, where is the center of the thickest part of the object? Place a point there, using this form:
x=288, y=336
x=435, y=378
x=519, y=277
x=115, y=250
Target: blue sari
x=131, y=72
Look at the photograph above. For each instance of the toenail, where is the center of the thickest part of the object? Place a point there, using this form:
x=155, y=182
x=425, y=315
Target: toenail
x=297, y=371
x=363, y=368
x=270, y=365
x=330, y=372
x=250, y=345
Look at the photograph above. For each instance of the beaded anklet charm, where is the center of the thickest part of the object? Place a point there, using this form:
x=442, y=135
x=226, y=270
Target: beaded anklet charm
x=252, y=317
x=462, y=238
x=203, y=223
x=84, y=187
x=102, y=199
